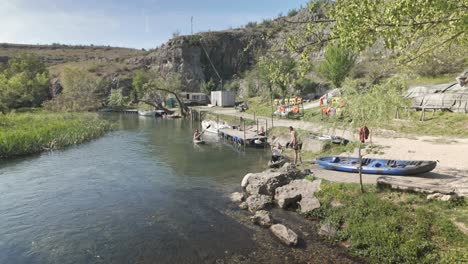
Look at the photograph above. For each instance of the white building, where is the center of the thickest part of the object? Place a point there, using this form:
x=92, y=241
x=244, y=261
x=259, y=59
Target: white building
x=223, y=98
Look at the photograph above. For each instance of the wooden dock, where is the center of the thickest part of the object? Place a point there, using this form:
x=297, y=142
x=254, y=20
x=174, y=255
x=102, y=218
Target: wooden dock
x=242, y=137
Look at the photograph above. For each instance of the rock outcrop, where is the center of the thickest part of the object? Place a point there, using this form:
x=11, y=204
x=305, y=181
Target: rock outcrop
x=193, y=55
x=55, y=87
x=284, y=234
x=258, y=202
x=266, y=182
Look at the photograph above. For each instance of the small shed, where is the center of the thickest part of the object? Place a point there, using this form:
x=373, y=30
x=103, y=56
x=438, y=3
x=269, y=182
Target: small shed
x=223, y=98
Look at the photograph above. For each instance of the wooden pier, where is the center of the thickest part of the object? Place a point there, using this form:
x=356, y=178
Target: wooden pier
x=242, y=137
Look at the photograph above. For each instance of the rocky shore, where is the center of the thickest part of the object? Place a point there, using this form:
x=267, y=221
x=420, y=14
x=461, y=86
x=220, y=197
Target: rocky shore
x=285, y=188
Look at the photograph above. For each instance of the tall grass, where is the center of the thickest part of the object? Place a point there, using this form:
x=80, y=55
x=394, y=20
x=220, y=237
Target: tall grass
x=28, y=133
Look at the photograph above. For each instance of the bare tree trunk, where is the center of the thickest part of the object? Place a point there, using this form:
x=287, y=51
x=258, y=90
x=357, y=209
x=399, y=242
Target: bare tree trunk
x=183, y=108
x=158, y=106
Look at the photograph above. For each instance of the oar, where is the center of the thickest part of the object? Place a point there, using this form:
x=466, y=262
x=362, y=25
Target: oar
x=203, y=131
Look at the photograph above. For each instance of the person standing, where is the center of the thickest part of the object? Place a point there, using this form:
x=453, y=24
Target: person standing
x=295, y=144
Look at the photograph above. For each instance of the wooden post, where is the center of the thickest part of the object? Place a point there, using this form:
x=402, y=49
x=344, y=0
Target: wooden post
x=256, y=121
x=423, y=114
x=244, y=132
x=360, y=167
x=397, y=113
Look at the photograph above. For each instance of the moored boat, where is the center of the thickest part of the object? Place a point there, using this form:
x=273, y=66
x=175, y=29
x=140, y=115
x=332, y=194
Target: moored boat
x=377, y=166
x=212, y=126
x=146, y=112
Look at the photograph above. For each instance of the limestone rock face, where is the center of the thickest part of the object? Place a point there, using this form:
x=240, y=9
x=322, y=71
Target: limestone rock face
x=284, y=234
x=187, y=55
x=262, y=218
x=267, y=181
x=308, y=204
x=258, y=202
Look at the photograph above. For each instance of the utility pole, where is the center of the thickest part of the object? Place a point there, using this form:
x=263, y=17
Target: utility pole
x=191, y=25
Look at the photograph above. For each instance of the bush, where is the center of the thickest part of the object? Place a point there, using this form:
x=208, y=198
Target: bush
x=292, y=12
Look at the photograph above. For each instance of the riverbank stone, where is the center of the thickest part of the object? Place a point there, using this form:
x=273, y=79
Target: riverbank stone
x=262, y=218
x=266, y=182
x=301, y=191
x=236, y=197
x=258, y=202
x=284, y=234
x=328, y=230
x=308, y=204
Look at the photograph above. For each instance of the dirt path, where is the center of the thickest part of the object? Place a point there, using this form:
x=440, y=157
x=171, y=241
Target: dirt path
x=452, y=153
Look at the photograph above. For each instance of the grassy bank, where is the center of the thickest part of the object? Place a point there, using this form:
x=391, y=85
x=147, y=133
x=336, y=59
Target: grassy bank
x=385, y=226
x=28, y=133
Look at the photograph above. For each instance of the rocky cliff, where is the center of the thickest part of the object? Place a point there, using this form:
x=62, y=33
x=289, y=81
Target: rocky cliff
x=199, y=57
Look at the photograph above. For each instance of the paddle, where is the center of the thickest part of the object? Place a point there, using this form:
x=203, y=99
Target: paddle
x=203, y=131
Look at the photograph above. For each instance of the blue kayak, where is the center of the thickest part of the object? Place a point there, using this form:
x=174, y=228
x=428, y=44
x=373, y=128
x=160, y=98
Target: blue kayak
x=377, y=166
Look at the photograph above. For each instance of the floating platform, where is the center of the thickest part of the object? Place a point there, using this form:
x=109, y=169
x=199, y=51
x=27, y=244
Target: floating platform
x=247, y=137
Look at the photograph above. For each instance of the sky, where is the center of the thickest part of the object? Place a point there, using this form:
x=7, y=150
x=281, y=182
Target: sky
x=127, y=23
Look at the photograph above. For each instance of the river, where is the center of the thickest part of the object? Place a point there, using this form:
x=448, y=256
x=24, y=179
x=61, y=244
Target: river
x=141, y=194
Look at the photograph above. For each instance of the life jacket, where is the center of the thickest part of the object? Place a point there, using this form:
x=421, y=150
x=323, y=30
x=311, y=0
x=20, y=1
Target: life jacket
x=363, y=134
x=295, y=109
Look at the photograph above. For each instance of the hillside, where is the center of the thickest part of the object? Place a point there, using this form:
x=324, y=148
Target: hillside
x=231, y=52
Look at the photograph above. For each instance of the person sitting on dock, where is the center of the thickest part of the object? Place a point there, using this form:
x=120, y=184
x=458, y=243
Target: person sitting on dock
x=262, y=132
x=197, y=135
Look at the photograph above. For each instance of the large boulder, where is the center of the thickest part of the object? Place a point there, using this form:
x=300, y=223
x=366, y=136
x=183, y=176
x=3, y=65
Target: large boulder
x=307, y=204
x=262, y=218
x=299, y=190
x=258, y=202
x=267, y=181
x=284, y=234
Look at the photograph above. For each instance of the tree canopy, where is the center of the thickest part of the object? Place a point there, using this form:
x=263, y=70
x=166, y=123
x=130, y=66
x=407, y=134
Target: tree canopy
x=23, y=83
x=410, y=29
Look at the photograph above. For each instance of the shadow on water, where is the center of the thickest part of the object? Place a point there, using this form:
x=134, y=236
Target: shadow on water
x=141, y=194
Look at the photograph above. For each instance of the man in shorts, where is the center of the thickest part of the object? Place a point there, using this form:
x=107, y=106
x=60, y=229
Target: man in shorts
x=296, y=144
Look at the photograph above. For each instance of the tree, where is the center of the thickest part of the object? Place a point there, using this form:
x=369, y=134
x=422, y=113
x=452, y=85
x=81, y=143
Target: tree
x=337, y=64
x=208, y=87
x=279, y=71
x=81, y=92
x=413, y=28
x=24, y=83
x=154, y=91
x=116, y=98
x=373, y=106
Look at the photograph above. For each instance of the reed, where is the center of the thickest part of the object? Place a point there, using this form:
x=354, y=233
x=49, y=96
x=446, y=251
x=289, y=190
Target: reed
x=29, y=133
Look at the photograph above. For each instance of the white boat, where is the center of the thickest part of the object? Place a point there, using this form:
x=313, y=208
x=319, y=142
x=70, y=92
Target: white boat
x=213, y=126
x=146, y=112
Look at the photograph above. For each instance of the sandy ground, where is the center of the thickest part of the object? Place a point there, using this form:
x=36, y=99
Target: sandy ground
x=451, y=154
